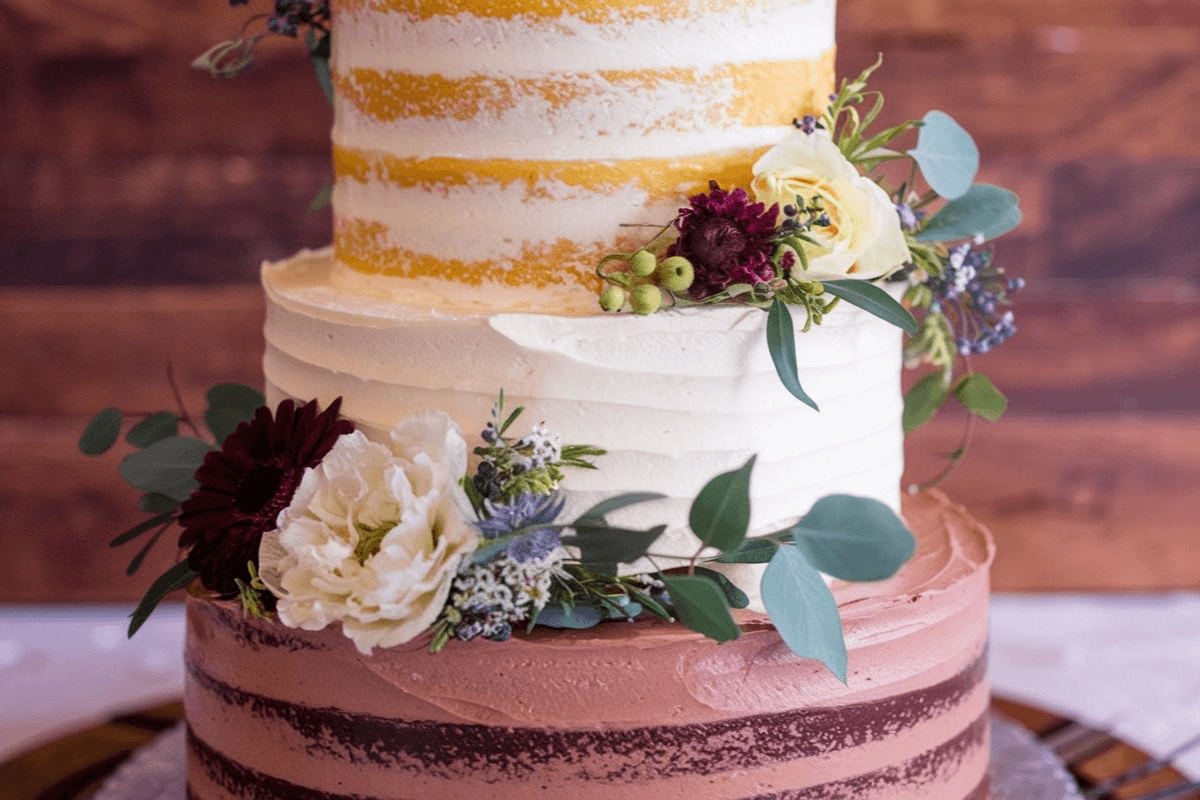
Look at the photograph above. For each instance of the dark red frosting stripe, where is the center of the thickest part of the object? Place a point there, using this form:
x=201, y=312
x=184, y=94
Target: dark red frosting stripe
x=242, y=781
x=444, y=750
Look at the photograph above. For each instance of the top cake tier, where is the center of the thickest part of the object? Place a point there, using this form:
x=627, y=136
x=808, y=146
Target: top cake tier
x=487, y=154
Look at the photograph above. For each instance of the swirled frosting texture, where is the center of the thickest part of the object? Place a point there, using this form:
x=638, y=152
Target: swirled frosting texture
x=625, y=708
x=489, y=152
x=676, y=398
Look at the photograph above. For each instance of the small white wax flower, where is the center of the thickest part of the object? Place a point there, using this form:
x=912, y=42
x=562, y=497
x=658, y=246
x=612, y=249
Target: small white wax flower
x=374, y=535
x=863, y=239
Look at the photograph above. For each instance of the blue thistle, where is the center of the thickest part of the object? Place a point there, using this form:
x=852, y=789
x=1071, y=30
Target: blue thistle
x=524, y=511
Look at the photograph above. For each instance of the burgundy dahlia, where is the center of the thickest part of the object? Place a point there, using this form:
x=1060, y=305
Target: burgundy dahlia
x=245, y=484
x=727, y=238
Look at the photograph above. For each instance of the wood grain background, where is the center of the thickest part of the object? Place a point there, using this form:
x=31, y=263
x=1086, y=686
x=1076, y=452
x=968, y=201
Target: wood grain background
x=138, y=197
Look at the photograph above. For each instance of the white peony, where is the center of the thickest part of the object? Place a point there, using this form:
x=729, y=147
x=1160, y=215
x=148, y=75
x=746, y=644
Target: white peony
x=864, y=239
x=374, y=535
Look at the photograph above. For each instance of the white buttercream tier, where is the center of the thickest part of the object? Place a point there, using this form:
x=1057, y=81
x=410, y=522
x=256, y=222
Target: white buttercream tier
x=675, y=397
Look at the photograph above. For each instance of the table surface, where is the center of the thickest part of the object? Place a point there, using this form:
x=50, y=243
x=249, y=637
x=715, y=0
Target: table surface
x=1128, y=663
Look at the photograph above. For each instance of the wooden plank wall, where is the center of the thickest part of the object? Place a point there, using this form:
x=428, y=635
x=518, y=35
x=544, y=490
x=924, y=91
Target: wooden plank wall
x=137, y=198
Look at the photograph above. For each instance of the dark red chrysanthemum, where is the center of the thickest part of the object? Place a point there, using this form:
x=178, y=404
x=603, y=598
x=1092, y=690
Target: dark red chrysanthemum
x=727, y=238
x=245, y=484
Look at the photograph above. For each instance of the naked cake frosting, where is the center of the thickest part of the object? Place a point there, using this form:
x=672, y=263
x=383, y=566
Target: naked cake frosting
x=623, y=709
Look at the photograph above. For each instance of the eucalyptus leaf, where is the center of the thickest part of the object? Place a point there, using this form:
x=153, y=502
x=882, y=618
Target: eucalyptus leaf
x=229, y=405
x=853, y=538
x=781, y=341
x=751, y=551
x=626, y=610
x=176, y=577
x=803, y=610
x=139, y=529
x=985, y=210
x=923, y=400
x=720, y=514
x=874, y=300
x=602, y=544
x=701, y=605
x=978, y=395
x=166, y=467
x=733, y=595
x=157, y=503
x=598, y=512
x=153, y=428
x=101, y=432
x=578, y=618
x=946, y=154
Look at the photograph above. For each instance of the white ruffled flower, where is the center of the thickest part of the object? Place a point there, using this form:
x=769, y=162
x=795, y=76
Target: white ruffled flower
x=864, y=239
x=374, y=535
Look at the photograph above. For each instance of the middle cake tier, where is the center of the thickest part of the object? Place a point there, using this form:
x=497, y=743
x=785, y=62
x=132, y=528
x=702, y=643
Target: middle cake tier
x=675, y=398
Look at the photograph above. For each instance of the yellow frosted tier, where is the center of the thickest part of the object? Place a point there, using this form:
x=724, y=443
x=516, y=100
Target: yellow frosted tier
x=486, y=154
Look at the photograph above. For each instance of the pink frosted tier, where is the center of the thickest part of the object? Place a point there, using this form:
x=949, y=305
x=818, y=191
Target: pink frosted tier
x=642, y=709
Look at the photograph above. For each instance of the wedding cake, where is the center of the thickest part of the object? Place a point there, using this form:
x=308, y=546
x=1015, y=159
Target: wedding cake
x=504, y=171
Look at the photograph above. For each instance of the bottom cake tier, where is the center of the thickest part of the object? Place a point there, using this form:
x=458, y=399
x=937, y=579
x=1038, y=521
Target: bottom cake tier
x=618, y=711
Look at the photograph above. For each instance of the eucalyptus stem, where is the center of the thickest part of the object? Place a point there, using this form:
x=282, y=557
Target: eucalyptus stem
x=184, y=417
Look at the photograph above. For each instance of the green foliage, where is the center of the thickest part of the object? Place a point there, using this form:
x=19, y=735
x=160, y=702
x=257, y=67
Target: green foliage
x=985, y=210
x=733, y=595
x=848, y=126
x=601, y=544
x=700, y=604
x=101, y=432
x=977, y=395
x=251, y=593
x=323, y=199
x=853, y=538
x=318, y=50
x=947, y=155
x=751, y=551
x=803, y=610
x=166, y=467
x=136, y=562
x=153, y=428
x=140, y=528
x=934, y=343
x=923, y=400
x=229, y=405
x=720, y=514
x=157, y=503
x=574, y=617
x=177, y=577
x=871, y=298
x=781, y=341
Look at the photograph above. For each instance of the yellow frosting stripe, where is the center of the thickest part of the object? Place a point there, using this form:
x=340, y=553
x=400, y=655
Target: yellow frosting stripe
x=593, y=11
x=662, y=179
x=369, y=248
x=751, y=94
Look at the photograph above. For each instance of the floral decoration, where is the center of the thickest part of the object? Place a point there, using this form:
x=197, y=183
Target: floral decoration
x=822, y=228
x=727, y=238
x=374, y=535
x=247, y=483
x=860, y=235
x=395, y=540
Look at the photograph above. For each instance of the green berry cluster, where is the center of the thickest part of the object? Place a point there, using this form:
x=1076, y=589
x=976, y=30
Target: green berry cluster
x=640, y=279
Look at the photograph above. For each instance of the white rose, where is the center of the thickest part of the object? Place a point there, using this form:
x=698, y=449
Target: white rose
x=864, y=239
x=374, y=535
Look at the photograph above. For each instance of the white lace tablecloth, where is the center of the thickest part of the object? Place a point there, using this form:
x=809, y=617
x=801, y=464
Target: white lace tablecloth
x=1130, y=663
